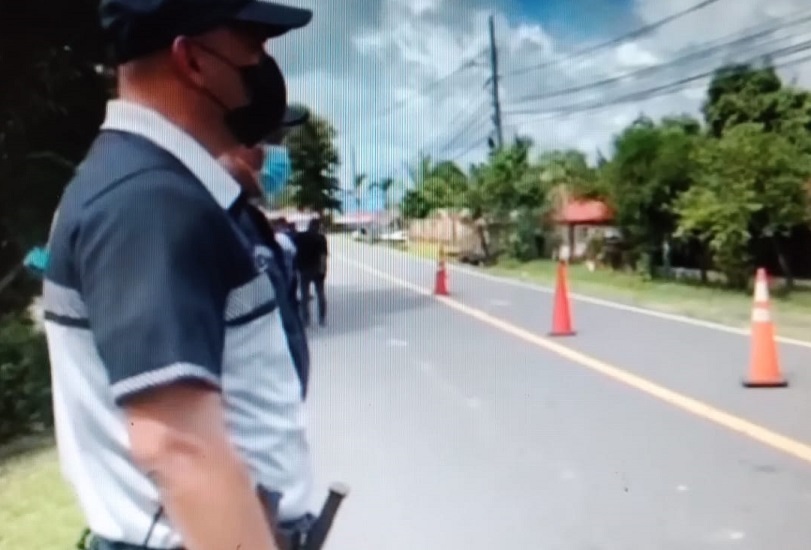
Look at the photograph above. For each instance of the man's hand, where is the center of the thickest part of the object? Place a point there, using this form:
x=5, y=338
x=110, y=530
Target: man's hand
x=179, y=438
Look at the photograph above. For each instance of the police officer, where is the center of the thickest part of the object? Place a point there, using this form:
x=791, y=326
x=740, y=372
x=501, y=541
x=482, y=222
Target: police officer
x=179, y=366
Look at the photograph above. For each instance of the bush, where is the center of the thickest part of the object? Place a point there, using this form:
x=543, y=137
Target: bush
x=523, y=239
x=595, y=248
x=25, y=378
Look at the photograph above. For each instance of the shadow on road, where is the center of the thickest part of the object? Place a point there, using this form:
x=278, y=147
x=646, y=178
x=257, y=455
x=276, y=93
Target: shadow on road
x=351, y=308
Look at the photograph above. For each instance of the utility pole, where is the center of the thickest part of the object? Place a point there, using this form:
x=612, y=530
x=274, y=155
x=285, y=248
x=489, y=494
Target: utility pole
x=494, y=78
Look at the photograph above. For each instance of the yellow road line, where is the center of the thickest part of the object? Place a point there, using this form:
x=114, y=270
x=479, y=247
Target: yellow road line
x=754, y=431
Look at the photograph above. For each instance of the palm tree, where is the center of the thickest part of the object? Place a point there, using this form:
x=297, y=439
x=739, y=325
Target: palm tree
x=384, y=186
x=357, y=185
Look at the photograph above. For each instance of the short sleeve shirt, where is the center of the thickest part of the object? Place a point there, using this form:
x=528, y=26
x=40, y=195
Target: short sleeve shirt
x=156, y=276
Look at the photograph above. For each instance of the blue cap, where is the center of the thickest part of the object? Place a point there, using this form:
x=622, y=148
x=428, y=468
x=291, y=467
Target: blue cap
x=141, y=27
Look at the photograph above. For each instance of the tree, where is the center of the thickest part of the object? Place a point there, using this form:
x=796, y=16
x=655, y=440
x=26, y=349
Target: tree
x=508, y=191
x=436, y=185
x=566, y=173
x=50, y=112
x=651, y=167
x=314, y=159
x=507, y=182
x=738, y=94
x=385, y=186
x=357, y=188
x=751, y=183
x=414, y=205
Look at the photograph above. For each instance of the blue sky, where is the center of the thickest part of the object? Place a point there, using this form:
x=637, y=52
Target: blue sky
x=359, y=58
x=577, y=20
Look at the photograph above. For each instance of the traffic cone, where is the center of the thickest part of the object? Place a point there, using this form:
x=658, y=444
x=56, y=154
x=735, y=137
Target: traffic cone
x=441, y=283
x=561, y=316
x=764, y=367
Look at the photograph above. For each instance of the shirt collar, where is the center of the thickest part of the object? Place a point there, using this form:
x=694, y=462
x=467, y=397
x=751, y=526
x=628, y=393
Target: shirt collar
x=125, y=116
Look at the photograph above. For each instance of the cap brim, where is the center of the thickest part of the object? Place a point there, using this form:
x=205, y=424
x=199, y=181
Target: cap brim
x=277, y=19
x=295, y=116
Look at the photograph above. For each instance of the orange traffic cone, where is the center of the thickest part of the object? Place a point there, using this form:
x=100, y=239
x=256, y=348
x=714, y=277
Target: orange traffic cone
x=764, y=368
x=561, y=316
x=441, y=283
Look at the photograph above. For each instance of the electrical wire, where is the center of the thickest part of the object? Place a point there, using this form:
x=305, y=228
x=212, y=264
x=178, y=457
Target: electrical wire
x=641, y=31
x=665, y=89
x=431, y=86
x=467, y=108
x=691, y=55
x=474, y=117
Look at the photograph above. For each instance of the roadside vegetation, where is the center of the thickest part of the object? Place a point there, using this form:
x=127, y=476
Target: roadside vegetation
x=697, y=205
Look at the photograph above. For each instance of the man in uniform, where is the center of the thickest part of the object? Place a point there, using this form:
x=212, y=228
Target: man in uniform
x=179, y=365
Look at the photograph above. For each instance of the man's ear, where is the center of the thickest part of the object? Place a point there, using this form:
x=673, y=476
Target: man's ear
x=186, y=61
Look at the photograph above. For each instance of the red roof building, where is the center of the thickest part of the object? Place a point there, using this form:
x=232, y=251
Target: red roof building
x=585, y=212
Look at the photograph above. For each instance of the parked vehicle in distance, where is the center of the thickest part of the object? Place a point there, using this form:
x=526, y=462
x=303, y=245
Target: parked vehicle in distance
x=396, y=236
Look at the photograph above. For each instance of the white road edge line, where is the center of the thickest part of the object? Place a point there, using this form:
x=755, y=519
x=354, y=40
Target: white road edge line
x=602, y=302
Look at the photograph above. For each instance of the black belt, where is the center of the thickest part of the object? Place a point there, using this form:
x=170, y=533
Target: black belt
x=294, y=534
x=99, y=543
x=306, y=533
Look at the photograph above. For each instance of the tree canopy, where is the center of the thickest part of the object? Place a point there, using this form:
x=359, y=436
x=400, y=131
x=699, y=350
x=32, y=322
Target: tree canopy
x=314, y=160
x=728, y=191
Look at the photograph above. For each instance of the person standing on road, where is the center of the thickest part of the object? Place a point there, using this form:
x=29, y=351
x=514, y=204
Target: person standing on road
x=280, y=226
x=179, y=368
x=311, y=261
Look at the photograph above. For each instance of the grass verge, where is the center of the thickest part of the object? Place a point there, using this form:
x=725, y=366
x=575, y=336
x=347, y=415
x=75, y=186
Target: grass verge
x=37, y=508
x=792, y=313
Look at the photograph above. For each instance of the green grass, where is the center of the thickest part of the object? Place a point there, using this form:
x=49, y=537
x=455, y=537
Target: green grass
x=37, y=508
x=792, y=313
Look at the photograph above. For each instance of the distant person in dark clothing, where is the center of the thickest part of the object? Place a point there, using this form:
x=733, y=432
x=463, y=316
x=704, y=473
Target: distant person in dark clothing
x=311, y=262
x=281, y=232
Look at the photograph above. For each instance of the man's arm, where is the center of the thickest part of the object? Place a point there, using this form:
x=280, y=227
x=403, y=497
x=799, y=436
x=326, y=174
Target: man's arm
x=324, y=254
x=151, y=256
x=178, y=437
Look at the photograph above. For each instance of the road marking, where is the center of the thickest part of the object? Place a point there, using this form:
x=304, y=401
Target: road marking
x=602, y=302
x=698, y=408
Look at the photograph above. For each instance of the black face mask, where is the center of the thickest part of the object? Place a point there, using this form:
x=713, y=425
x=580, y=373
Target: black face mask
x=267, y=100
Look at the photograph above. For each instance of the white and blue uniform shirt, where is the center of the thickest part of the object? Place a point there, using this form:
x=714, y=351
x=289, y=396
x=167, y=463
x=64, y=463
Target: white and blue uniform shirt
x=158, y=272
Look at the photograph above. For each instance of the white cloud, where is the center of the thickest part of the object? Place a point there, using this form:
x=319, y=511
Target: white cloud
x=360, y=57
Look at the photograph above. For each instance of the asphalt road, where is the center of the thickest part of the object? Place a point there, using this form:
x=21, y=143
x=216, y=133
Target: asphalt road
x=455, y=430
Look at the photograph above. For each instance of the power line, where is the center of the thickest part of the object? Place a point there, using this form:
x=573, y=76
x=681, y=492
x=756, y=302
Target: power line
x=641, y=31
x=721, y=45
x=470, y=107
x=471, y=147
x=665, y=89
x=495, y=97
x=433, y=85
x=464, y=130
